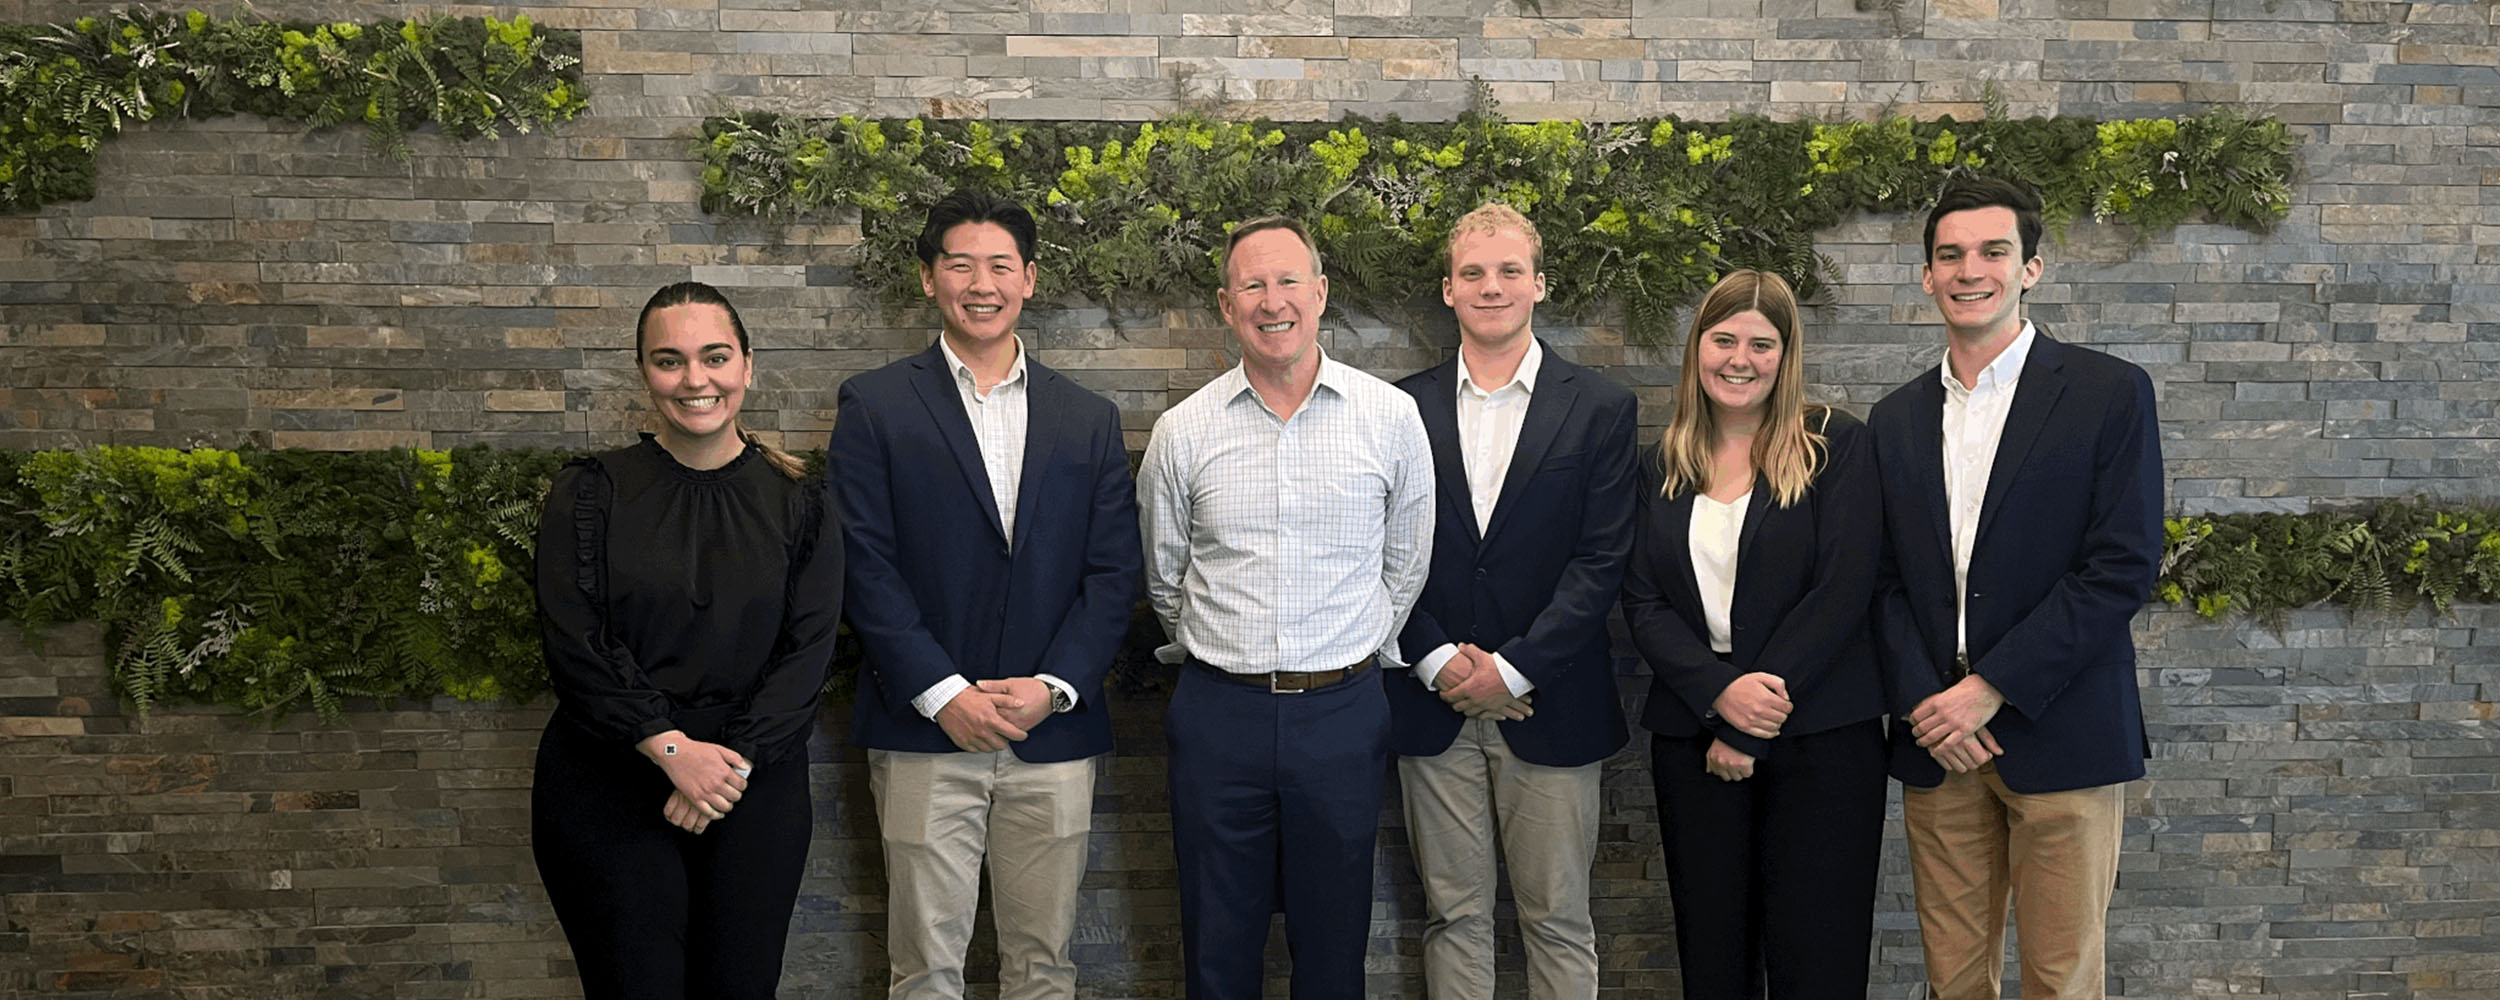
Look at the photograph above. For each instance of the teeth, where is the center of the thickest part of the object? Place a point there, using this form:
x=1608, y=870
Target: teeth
x=1971, y=296
x=1738, y=379
x=983, y=310
x=700, y=402
x=1275, y=327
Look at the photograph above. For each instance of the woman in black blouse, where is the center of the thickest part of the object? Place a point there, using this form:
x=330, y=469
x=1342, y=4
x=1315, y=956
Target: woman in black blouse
x=688, y=588
x=1752, y=569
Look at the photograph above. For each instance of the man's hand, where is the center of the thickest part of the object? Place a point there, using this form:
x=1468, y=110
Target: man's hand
x=1727, y=763
x=1952, y=715
x=1481, y=692
x=1756, y=703
x=706, y=774
x=1034, y=695
x=683, y=814
x=977, y=719
x=1967, y=755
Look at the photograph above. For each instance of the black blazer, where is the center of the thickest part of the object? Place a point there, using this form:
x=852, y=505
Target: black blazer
x=933, y=586
x=2070, y=539
x=1537, y=585
x=1805, y=575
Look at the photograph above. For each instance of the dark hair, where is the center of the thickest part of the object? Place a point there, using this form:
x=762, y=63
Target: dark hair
x=1961, y=194
x=1264, y=223
x=965, y=205
x=696, y=293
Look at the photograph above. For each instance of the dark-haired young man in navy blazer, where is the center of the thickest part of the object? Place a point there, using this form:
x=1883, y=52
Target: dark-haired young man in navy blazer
x=2022, y=505
x=1504, y=728
x=991, y=522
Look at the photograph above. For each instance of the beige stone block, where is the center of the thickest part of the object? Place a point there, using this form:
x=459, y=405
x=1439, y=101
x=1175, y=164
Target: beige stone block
x=1419, y=69
x=1591, y=48
x=2100, y=31
x=1402, y=48
x=1292, y=47
x=1963, y=10
x=1083, y=45
x=360, y=336
x=525, y=400
x=602, y=54
x=1557, y=27
x=1804, y=92
x=38, y=725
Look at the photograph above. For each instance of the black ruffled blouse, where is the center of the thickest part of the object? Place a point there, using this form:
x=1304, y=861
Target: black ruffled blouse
x=694, y=599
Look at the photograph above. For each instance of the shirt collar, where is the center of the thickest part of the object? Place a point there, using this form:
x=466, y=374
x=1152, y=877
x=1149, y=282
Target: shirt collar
x=1524, y=377
x=963, y=372
x=1332, y=376
x=2005, y=370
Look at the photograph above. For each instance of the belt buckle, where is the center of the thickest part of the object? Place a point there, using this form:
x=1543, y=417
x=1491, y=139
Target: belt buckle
x=1276, y=677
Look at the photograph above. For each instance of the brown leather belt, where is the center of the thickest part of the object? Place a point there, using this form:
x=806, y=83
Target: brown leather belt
x=1290, y=681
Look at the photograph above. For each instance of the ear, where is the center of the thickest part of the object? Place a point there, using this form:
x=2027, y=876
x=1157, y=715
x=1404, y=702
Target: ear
x=2032, y=269
x=928, y=282
x=1448, y=298
x=1927, y=278
x=1540, y=286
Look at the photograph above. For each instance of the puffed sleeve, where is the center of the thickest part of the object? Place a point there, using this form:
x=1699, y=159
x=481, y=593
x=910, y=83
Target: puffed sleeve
x=775, y=723
x=595, y=677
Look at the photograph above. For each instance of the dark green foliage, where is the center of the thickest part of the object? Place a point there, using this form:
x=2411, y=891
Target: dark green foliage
x=67, y=88
x=2385, y=558
x=1643, y=215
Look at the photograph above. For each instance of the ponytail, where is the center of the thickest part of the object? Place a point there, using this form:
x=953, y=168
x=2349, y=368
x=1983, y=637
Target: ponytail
x=782, y=462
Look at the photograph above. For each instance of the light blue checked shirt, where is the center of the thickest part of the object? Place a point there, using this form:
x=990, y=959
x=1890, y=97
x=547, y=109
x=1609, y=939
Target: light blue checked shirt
x=1289, y=545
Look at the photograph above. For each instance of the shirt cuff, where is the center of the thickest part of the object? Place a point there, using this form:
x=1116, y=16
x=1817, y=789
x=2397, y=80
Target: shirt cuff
x=1171, y=653
x=1511, y=677
x=938, y=695
x=1060, y=686
x=1428, y=669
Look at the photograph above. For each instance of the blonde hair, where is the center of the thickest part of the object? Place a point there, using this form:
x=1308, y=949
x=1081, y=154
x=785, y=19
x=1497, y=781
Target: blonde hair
x=1785, y=452
x=1493, y=217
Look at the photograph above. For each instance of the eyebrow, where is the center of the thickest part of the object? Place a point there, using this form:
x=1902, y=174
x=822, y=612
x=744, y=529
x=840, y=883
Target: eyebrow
x=953, y=255
x=1984, y=244
x=705, y=349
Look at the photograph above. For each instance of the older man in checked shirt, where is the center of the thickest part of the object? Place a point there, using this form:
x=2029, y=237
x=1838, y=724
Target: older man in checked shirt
x=1287, y=514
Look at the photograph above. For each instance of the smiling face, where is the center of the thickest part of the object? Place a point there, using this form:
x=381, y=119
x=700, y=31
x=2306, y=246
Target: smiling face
x=1738, y=363
x=695, y=370
x=1272, y=298
x=1493, y=285
x=979, y=283
x=1976, y=274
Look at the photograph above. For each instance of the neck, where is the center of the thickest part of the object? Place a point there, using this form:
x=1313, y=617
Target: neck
x=1284, y=389
x=1969, y=353
x=990, y=362
x=1492, y=362
x=709, y=451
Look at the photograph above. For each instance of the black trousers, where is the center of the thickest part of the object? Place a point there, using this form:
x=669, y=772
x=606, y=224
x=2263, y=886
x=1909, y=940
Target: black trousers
x=1773, y=877
x=654, y=912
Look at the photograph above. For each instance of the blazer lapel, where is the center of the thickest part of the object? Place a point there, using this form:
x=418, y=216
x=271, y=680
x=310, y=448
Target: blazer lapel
x=1439, y=409
x=1043, y=428
x=1757, y=509
x=1678, y=526
x=1547, y=407
x=1927, y=459
x=936, y=386
x=2034, y=396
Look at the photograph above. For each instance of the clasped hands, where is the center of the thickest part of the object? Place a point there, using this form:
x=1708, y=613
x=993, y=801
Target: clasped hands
x=1953, y=724
x=1756, y=704
x=1473, y=684
x=705, y=777
x=987, y=716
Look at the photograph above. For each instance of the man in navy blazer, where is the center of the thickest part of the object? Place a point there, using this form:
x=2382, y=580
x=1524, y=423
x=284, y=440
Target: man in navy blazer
x=1504, y=727
x=2022, y=506
x=991, y=524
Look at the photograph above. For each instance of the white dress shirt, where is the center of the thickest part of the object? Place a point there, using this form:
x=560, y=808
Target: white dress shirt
x=1974, y=421
x=1488, y=435
x=1716, y=531
x=1291, y=545
x=999, y=418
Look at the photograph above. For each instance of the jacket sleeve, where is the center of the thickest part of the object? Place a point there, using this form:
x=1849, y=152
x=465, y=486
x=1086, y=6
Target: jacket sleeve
x=1848, y=521
x=2121, y=556
x=1096, y=625
x=1679, y=657
x=775, y=723
x=594, y=676
x=901, y=656
x=1592, y=582
x=1911, y=674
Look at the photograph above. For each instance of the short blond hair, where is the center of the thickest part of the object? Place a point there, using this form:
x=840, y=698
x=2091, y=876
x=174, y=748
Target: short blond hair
x=1493, y=217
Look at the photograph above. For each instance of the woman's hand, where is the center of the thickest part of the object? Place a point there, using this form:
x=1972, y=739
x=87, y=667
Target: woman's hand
x=706, y=774
x=1726, y=763
x=682, y=814
x=1756, y=703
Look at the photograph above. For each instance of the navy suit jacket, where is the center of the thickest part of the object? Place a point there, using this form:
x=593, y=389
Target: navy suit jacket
x=933, y=586
x=1538, y=584
x=1805, y=576
x=2070, y=539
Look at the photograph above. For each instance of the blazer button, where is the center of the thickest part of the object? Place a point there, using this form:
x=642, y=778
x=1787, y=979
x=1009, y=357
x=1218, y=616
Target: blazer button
x=1480, y=573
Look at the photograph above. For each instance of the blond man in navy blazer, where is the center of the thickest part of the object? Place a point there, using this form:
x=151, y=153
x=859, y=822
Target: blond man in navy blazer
x=2022, y=506
x=1503, y=725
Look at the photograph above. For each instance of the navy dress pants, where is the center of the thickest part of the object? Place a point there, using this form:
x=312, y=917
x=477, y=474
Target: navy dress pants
x=1276, y=805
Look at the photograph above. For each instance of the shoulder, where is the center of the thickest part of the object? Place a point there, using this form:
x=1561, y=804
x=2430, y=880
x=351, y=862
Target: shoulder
x=889, y=378
x=1835, y=423
x=1368, y=392
x=1896, y=405
x=1426, y=380
x=1597, y=386
x=1058, y=389
x=2093, y=366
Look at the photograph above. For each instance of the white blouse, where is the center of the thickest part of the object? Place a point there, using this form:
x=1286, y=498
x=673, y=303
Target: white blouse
x=1716, y=528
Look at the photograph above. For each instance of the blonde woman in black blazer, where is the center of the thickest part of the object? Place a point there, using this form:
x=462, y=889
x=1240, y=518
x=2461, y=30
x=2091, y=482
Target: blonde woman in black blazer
x=1751, y=577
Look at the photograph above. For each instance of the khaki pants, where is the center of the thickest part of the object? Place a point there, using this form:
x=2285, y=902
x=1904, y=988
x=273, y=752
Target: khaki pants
x=939, y=815
x=1973, y=843
x=1457, y=803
